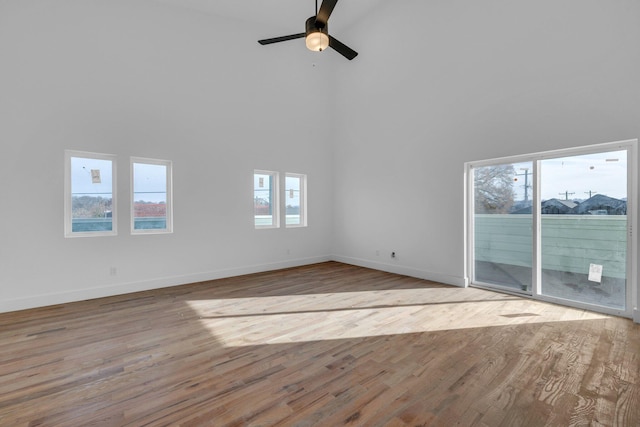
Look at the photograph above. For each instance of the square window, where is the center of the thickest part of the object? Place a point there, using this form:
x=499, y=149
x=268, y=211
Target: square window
x=90, y=202
x=151, y=202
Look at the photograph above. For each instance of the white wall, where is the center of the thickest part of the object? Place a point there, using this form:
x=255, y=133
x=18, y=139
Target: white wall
x=146, y=79
x=444, y=82
x=436, y=84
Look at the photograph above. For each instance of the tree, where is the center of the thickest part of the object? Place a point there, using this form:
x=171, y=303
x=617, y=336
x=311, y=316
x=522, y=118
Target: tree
x=90, y=206
x=494, y=192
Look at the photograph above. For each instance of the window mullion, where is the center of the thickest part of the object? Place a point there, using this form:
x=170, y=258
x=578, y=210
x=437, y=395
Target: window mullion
x=537, y=239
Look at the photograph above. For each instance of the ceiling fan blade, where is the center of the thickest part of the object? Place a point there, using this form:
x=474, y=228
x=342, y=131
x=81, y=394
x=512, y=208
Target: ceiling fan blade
x=325, y=12
x=342, y=48
x=281, y=39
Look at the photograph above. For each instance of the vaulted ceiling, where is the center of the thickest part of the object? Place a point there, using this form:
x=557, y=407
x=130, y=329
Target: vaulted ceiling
x=285, y=15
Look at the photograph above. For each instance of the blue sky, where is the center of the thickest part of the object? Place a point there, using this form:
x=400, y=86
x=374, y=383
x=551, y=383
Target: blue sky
x=82, y=182
x=292, y=188
x=601, y=173
x=149, y=180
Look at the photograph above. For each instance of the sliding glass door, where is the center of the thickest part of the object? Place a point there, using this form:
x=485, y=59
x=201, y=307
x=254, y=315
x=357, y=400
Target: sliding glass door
x=584, y=228
x=503, y=232
x=555, y=225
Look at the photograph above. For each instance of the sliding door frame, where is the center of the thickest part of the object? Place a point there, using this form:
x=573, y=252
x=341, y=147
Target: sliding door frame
x=632, y=297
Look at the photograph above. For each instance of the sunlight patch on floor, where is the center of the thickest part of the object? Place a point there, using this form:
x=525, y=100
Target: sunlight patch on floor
x=313, y=317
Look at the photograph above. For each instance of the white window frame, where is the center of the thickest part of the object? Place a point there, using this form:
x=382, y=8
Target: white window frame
x=169, y=191
x=275, y=203
x=68, y=211
x=633, y=291
x=303, y=199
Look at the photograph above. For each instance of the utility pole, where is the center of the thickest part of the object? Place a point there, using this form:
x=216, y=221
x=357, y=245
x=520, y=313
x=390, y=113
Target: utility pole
x=526, y=183
x=590, y=192
x=566, y=194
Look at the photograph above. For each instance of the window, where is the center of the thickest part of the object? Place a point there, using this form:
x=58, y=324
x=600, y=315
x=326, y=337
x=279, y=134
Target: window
x=151, y=206
x=265, y=199
x=295, y=200
x=90, y=202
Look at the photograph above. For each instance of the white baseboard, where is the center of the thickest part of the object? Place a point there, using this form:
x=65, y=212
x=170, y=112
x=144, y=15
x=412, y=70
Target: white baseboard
x=64, y=297
x=406, y=271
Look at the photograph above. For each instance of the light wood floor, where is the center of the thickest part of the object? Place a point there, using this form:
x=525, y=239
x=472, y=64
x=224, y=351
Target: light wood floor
x=327, y=344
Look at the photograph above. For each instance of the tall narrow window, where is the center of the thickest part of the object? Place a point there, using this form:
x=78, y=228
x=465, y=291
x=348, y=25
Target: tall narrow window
x=265, y=199
x=295, y=196
x=151, y=207
x=90, y=203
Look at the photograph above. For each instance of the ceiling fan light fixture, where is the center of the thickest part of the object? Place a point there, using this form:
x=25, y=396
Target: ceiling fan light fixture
x=317, y=41
x=316, y=36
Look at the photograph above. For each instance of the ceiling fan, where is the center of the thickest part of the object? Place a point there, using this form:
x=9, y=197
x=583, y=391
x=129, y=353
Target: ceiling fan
x=317, y=33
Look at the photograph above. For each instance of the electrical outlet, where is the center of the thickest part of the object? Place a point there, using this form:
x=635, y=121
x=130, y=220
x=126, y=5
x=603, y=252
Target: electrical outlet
x=393, y=254
x=113, y=271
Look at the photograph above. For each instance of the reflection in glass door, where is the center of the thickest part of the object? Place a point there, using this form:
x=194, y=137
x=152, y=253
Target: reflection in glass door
x=503, y=232
x=584, y=228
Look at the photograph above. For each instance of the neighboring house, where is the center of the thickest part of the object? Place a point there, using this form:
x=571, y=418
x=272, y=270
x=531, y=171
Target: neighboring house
x=557, y=207
x=149, y=210
x=596, y=205
x=550, y=207
x=599, y=203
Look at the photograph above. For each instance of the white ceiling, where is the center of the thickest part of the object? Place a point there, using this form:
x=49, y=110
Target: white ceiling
x=285, y=15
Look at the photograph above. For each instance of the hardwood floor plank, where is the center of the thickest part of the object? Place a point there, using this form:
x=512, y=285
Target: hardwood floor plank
x=325, y=344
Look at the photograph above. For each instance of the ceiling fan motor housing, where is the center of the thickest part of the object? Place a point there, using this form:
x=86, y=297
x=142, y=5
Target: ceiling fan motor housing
x=312, y=26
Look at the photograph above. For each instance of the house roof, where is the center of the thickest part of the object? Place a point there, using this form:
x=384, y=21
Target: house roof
x=569, y=204
x=600, y=201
